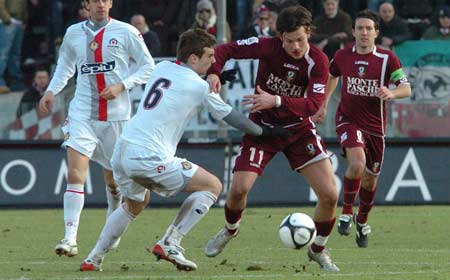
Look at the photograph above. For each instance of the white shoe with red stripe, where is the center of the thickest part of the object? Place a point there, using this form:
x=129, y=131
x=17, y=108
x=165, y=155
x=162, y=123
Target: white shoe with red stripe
x=173, y=254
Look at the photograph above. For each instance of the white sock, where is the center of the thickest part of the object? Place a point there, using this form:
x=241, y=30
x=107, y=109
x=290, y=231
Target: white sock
x=116, y=224
x=73, y=204
x=114, y=200
x=191, y=211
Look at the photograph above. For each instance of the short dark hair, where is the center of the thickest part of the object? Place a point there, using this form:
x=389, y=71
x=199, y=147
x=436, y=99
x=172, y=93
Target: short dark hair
x=369, y=15
x=292, y=18
x=193, y=41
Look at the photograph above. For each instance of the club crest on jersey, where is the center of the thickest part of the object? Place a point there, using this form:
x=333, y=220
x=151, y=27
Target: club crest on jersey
x=186, y=165
x=311, y=149
x=113, y=42
x=93, y=46
x=361, y=71
x=290, y=76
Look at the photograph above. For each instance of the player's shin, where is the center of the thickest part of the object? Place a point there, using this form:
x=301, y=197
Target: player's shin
x=324, y=229
x=116, y=224
x=191, y=211
x=351, y=187
x=366, y=200
x=73, y=204
x=114, y=199
x=232, y=219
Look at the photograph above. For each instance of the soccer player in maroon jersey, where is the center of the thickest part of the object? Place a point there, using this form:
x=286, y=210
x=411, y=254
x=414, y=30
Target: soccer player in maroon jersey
x=291, y=80
x=361, y=116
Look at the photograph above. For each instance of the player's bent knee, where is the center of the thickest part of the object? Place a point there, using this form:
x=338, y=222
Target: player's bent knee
x=215, y=186
x=356, y=168
x=328, y=199
x=75, y=176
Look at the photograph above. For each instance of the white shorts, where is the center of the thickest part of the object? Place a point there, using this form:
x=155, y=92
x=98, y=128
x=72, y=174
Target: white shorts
x=94, y=139
x=132, y=161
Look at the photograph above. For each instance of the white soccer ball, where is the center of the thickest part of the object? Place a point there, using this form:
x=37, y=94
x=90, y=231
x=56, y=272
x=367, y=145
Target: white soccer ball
x=297, y=230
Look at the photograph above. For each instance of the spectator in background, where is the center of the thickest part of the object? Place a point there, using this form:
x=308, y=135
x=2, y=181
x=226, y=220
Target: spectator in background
x=273, y=22
x=162, y=18
x=261, y=27
x=393, y=29
x=418, y=14
x=441, y=29
x=150, y=37
x=374, y=5
x=30, y=99
x=13, y=15
x=333, y=28
x=206, y=19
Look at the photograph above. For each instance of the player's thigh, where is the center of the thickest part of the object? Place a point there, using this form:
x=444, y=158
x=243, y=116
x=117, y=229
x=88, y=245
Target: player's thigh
x=107, y=133
x=80, y=136
x=320, y=177
x=253, y=156
x=243, y=182
x=374, y=154
x=204, y=181
x=77, y=165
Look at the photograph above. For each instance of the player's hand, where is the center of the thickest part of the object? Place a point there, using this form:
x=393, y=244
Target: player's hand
x=228, y=75
x=276, y=131
x=384, y=93
x=260, y=101
x=319, y=116
x=46, y=103
x=112, y=91
x=214, y=83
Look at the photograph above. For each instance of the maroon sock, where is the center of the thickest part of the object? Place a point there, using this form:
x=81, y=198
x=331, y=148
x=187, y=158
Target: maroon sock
x=232, y=216
x=366, y=199
x=323, y=229
x=351, y=187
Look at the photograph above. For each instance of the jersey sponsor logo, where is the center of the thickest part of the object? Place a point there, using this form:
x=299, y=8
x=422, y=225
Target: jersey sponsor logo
x=247, y=42
x=113, y=43
x=283, y=88
x=318, y=88
x=95, y=68
x=186, y=165
x=291, y=66
x=362, y=87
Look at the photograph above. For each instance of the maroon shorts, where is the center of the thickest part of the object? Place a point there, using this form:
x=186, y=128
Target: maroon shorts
x=350, y=137
x=302, y=148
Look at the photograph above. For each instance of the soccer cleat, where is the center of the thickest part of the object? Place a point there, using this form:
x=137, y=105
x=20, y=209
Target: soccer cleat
x=323, y=259
x=66, y=248
x=216, y=244
x=362, y=233
x=90, y=265
x=173, y=254
x=344, y=224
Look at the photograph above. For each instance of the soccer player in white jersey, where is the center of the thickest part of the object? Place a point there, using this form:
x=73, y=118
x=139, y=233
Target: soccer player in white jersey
x=144, y=156
x=100, y=50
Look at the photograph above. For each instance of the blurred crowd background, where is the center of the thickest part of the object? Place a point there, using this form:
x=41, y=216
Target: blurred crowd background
x=31, y=31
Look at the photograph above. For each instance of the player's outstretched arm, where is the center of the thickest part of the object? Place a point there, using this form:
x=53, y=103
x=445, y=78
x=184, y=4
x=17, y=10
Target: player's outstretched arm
x=239, y=121
x=321, y=113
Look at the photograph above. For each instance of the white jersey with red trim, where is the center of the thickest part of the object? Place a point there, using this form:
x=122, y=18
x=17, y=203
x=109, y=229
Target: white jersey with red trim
x=101, y=59
x=171, y=98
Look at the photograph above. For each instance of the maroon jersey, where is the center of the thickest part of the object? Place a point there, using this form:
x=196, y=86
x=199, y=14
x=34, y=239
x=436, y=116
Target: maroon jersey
x=300, y=82
x=362, y=75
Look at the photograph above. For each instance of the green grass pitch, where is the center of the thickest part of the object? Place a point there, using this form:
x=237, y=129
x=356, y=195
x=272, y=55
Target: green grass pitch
x=407, y=243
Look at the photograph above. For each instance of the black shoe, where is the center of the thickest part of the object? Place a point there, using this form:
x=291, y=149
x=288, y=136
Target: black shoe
x=344, y=224
x=362, y=233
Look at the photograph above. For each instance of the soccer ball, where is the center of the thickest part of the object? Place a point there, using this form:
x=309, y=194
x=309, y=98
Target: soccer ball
x=297, y=230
